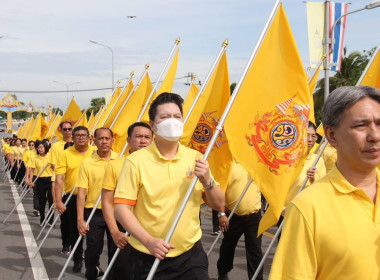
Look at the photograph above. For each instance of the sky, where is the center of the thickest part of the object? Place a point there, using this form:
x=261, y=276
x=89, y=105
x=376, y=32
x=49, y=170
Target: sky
x=45, y=41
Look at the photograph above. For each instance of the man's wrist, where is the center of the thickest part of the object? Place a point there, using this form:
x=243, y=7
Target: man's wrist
x=221, y=214
x=209, y=186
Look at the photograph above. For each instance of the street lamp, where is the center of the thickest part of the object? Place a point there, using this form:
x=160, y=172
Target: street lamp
x=331, y=42
x=94, y=42
x=67, y=89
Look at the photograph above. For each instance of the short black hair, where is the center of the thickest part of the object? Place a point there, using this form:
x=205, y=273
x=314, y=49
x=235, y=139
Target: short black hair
x=137, y=124
x=103, y=128
x=62, y=123
x=163, y=98
x=22, y=140
x=80, y=128
x=43, y=143
x=311, y=124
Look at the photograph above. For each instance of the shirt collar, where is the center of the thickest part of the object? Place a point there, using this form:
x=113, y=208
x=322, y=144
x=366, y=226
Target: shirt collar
x=341, y=184
x=155, y=150
x=96, y=157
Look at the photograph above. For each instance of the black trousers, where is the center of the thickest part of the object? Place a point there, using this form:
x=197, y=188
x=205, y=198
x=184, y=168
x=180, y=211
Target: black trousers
x=70, y=227
x=95, y=242
x=120, y=268
x=36, y=201
x=43, y=186
x=239, y=225
x=191, y=265
x=215, y=221
x=21, y=173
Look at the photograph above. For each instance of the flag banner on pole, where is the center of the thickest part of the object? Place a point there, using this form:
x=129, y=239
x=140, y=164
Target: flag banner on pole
x=335, y=11
x=267, y=124
x=73, y=113
x=315, y=25
x=54, y=126
x=108, y=107
x=82, y=120
x=91, y=118
x=190, y=97
x=19, y=131
x=131, y=112
x=372, y=72
x=95, y=120
x=28, y=128
x=212, y=86
x=44, y=128
x=220, y=158
x=119, y=103
x=166, y=85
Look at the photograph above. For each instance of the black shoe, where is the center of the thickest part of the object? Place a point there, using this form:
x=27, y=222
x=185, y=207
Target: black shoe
x=223, y=276
x=77, y=267
x=100, y=271
x=65, y=250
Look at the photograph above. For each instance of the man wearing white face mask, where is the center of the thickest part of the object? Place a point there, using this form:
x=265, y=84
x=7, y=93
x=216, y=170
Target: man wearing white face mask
x=154, y=181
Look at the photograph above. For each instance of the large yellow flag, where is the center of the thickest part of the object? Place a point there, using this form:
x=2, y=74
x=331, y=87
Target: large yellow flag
x=53, y=127
x=44, y=128
x=372, y=75
x=24, y=128
x=119, y=104
x=213, y=85
x=82, y=120
x=190, y=97
x=132, y=109
x=220, y=158
x=166, y=85
x=94, y=122
x=39, y=129
x=312, y=84
x=73, y=113
x=91, y=118
x=28, y=128
x=109, y=107
x=267, y=124
x=19, y=131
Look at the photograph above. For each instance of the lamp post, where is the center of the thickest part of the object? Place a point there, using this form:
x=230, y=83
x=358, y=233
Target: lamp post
x=332, y=40
x=94, y=42
x=67, y=89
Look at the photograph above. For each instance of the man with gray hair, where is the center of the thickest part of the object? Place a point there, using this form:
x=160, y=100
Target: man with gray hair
x=332, y=229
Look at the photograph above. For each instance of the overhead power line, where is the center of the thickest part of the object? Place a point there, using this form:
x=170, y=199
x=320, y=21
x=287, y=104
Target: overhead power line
x=53, y=91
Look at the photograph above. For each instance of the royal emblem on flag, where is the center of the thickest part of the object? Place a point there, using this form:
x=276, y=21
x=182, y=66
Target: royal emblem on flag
x=280, y=135
x=204, y=131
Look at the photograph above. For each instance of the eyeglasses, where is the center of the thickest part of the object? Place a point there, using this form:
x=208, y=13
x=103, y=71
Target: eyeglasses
x=80, y=136
x=313, y=136
x=67, y=129
x=31, y=145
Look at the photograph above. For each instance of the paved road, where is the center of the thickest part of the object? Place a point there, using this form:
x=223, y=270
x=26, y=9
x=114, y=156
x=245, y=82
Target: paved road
x=17, y=244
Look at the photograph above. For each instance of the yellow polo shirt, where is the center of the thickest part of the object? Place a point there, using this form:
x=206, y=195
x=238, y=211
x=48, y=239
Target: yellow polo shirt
x=112, y=173
x=17, y=151
x=5, y=147
x=156, y=187
x=91, y=175
x=331, y=232
x=251, y=201
x=56, y=149
x=329, y=157
x=9, y=150
x=321, y=172
x=69, y=163
x=28, y=155
x=38, y=163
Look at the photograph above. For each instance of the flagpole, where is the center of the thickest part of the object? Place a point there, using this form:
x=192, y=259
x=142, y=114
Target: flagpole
x=282, y=223
x=327, y=43
x=34, y=125
x=224, y=46
x=216, y=134
x=367, y=67
x=130, y=95
x=113, y=106
x=231, y=214
x=177, y=41
x=101, y=110
x=81, y=117
x=52, y=124
x=56, y=128
x=316, y=68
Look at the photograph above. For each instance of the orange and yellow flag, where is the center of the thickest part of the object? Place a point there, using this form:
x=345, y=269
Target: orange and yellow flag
x=109, y=107
x=82, y=120
x=73, y=113
x=28, y=128
x=220, y=158
x=39, y=129
x=267, y=123
x=372, y=75
x=53, y=127
x=213, y=85
x=166, y=85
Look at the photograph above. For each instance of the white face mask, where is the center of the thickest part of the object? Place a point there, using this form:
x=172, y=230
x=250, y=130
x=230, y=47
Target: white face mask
x=170, y=129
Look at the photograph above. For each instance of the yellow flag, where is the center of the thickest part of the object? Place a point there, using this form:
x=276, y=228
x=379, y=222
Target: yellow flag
x=132, y=109
x=29, y=128
x=166, y=85
x=372, y=75
x=51, y=120
x=19, y=131
x=220, y=158
x=24, y=128
x=119, y=104
x=190, y=97
x=44, y=128
x=109, y=107
x=312, y=83
x=212, y=85
x=267, y=124
x=35, y=133
x=91, y=118
x=73, y=113
x=54, y=127
x=82, y=120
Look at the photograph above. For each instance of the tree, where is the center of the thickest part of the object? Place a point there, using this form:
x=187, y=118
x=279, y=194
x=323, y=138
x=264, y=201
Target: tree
x=352, y=67
x=95, y=104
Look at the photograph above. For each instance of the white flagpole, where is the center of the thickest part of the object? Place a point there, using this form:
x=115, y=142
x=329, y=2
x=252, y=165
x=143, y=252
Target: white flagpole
x=224, y=46
x=216, y=134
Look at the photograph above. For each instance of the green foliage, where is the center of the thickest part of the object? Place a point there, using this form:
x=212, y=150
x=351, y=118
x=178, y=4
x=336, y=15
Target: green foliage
x=352, y=67
x=96, y=103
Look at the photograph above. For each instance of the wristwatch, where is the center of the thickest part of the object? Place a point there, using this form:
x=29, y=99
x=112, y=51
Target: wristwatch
x=210, y=186
x=221, y=214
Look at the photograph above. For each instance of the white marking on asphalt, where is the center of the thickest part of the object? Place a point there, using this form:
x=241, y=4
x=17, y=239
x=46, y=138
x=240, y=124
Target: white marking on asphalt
x=37, y=264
